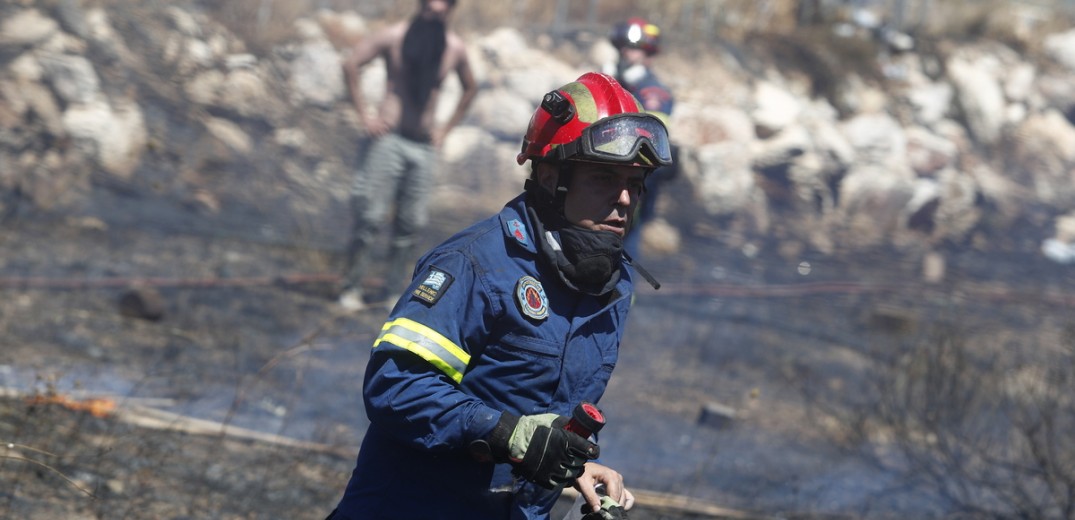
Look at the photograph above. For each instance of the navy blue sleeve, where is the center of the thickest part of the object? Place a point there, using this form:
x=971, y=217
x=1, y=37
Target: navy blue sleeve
x=422, y=354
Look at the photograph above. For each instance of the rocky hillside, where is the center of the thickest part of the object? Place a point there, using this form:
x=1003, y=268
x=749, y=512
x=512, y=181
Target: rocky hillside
x=823, y=143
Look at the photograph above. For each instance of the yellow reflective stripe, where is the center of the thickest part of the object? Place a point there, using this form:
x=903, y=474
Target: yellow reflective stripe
x=584, y=102
x=427, y=344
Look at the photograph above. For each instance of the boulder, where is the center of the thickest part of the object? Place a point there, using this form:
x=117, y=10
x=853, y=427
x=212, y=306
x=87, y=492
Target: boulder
x=114, y=136
x=1061, y=48
x=72, y=78
x=979, y=94
x=316, y=77
x=25, y=28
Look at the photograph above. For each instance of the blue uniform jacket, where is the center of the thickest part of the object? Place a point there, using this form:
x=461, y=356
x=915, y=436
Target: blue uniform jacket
x=655, y=98
x=652, y=93
x=483, y=328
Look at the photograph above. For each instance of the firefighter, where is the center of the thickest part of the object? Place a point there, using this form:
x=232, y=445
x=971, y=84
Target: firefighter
x=508, y=325
x=638, y=41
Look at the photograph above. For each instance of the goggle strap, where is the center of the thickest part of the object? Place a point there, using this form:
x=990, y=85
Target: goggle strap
x=568, y=150
x=642, y=271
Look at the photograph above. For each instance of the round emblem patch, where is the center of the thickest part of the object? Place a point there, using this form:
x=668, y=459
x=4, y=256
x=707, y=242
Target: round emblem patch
x=531, y=297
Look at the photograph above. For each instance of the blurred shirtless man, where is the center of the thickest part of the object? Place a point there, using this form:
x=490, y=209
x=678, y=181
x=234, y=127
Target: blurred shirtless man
x=398, y=167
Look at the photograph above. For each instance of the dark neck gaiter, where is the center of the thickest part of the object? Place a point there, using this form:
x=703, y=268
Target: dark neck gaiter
x=587, y=261
x=423, y=49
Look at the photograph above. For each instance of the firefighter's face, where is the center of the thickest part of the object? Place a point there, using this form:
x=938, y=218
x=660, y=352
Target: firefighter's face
x=633, y=56
x=601, y=197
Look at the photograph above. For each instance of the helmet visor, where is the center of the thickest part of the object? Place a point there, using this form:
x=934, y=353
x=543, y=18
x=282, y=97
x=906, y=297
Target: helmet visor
x=623, y=138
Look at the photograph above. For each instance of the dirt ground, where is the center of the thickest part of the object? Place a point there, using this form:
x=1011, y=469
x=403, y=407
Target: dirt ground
x=236, y=382
x=65, y=463
x=68, y=343
x=233, y=340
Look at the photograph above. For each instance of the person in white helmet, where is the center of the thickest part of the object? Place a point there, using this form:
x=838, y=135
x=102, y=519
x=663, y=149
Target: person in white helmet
x=638, y=41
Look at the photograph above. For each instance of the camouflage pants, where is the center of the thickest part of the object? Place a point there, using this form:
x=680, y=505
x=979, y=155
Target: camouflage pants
x=398, y=174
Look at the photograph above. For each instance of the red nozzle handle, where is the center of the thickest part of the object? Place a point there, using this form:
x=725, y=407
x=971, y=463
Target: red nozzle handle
x=586, y=419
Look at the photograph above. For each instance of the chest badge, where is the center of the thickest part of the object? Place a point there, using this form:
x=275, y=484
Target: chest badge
x=531, y=298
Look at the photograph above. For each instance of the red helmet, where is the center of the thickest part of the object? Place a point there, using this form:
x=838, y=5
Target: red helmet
x=594, y=119
x=637, y=33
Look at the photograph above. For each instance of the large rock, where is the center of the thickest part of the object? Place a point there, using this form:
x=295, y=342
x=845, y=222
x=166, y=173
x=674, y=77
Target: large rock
x=343, y=29
x=980, y=94
x=508, y=61
x=1060, y=247
x=950, y=209
x=27, y=27
x=877, y=139
x=103, y=33
x=929, y=153
x=695, y=124
x=114, y=136
x=242, y=91
x=72, y=78
x=660, y=238
x=873, y=201
x=477, y=170
x=774, y=108
x=1045, y=150
x=931, y=102
x=230, y=134
x=501, y=111
x=723, y=177
x=316, y=77
x=245, y=92
x=1061, y=48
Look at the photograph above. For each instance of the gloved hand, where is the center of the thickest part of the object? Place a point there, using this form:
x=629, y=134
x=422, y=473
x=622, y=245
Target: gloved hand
x=610, y=510
x=539, y=448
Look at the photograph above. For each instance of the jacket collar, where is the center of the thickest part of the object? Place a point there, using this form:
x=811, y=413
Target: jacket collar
x=516, y=224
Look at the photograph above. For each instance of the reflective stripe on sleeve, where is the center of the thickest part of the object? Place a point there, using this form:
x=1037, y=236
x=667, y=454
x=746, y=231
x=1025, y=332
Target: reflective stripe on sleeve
x=427, y=344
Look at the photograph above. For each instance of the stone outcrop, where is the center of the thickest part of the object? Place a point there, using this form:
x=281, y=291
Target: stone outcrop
x=961, y=148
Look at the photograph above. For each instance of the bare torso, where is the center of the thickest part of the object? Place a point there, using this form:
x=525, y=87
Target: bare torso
x=405, y=118
x=396, y=113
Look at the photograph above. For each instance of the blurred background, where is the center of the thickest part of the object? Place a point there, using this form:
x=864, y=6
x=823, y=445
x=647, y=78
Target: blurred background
x=867, y=257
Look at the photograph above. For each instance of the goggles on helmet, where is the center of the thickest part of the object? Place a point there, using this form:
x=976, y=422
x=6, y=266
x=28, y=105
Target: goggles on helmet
x=622, y=138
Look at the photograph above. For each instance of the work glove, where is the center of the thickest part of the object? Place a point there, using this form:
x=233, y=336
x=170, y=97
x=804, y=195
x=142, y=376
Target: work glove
x=538, y=447
x=610, y=510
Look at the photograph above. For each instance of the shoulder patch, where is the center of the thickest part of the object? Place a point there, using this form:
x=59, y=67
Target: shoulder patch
x=433, y=287
x=530, y=296
x=518, y=231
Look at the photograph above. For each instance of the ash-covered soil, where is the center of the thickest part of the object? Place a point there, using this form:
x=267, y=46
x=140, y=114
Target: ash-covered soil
x=239, y=397
x=231, y=390
x=66, y=337
x=63, y=463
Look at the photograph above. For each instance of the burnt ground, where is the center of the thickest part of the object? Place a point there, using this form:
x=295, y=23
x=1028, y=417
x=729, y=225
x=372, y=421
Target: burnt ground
x=233, y=335
x=202, y=357
x=249, y=343
x=90, y=467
